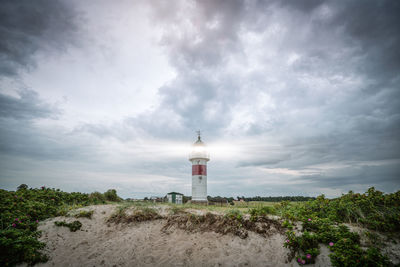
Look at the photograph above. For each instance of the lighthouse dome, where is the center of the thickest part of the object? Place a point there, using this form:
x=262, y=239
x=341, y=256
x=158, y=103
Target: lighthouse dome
x=199, y=151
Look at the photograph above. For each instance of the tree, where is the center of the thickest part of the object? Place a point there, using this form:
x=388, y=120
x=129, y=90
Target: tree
x=111, y=195
x=22, y=187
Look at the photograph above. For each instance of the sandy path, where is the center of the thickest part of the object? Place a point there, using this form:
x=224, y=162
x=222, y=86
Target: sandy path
x=144, y=244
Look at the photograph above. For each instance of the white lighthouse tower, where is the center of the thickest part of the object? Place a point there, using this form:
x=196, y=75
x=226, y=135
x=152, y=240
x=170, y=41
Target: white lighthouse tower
x=199, y=157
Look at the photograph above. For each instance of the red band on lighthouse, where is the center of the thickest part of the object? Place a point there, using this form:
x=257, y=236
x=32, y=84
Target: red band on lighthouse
x=199, y=169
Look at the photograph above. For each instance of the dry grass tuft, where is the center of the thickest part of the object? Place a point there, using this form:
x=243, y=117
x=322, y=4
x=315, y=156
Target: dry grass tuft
x=233, y=222
x=236, y=225
x=84, y=214
x=138, y=215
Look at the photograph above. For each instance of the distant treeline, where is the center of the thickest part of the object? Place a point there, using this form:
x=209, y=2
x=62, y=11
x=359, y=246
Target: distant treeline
x=278, y=199
x=258, y=198
x=231, y=199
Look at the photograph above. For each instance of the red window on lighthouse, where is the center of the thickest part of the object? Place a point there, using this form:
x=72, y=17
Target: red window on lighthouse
x=199, y=169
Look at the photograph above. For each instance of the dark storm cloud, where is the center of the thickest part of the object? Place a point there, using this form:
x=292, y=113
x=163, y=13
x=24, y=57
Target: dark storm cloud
x=20, y=137
x=193, y=101
x=375, y=25
x=29, y=26
x=349, y=51
x=210, y=35
x=27, y=106
x=370, y=28
x=332, y=38
x=385, y=175
x=317, y=80
x=197, y=52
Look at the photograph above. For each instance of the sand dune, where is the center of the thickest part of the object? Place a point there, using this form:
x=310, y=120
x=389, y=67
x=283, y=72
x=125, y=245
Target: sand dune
x=99, y=243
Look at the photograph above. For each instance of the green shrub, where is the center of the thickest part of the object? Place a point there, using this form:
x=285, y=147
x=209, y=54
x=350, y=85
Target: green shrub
x=261, y=211
x=18, y=245
x=346, y=252
x=287, y=224
x=73, y=227
x=321, y=220
x=139, y=214
x=97, y=197
x=234, y=214
x=111, y=195
x=84, y=214
x=22, y=187
x=373, y=210
x=373, y=238
x=20, y=212
x=304, y=247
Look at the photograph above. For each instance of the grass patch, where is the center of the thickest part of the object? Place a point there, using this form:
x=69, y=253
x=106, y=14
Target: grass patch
x=234, y=214
x=261, y=211
x=73, y=227
x=176, y=209
x=84, y=214
x=138, y=214
x=232, y=222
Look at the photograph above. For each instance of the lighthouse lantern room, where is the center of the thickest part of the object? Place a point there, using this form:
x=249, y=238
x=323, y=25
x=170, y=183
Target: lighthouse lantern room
x=199, y=157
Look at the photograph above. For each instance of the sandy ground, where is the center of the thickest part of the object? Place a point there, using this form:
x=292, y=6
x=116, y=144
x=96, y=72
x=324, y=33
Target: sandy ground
x=145, y=244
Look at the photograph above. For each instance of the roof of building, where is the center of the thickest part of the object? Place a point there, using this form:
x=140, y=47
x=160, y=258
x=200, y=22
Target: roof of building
x=176, y=193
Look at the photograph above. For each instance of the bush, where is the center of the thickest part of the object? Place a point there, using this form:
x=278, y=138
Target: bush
x=18, y=246
x=20, y=212
x=84, y=214
x=304, y=247
x=139, y=214
x=373, y=210
x=346, y=252
x=22, y=187
x=287, y=224
x=97, y=197
x=261, y=211
x=234, y=215
x=111, y=195
x=321, y=220
x=73, y=227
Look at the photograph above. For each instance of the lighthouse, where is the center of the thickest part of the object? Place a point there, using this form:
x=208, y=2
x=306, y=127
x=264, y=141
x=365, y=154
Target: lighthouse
x=199, y=157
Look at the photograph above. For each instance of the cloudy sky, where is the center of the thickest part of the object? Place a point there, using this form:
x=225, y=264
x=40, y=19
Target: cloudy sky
x=292, y=97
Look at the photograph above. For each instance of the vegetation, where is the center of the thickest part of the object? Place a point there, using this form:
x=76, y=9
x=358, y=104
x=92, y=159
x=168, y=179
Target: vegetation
x=261, y=211
x=277, y=199
x=308, y=224
x=373, y=210
x=137, y=214
x=21, y=211
x=322, y=223
x=219, y=199
x=232, y=222
x=234, y=214
x=73, y=227
x=84, y=214
x=111, y=195
x=177, y=209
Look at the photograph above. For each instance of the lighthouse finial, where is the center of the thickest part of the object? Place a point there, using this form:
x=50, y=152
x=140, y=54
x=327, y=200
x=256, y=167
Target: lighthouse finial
x=198, y=134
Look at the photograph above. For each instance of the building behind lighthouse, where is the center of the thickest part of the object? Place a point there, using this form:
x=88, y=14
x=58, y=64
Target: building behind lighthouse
x=199, y=158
